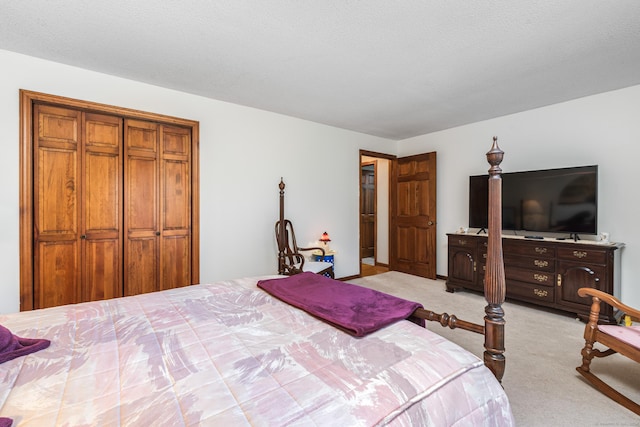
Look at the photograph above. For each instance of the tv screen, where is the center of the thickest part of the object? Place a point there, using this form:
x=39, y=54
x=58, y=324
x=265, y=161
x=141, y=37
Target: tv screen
x=552, y=200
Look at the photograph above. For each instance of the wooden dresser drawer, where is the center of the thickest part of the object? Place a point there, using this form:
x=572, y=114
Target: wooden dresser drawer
x=589, y=255
x=529, y=276
x=532, y=263
x=524, y=291
x=528, y=248
x=462, y=241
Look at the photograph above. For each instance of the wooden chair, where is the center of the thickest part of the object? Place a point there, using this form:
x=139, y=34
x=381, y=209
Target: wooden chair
x=291, y=259
x=624, y=340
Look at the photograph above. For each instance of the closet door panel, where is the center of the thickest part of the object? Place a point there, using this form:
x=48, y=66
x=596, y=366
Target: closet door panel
x=141, y=189
x=142, y=251
x=175, y=196
x=102, y=208
x=56, y=198
x=141, y=265
x=175, y=259
x=176, y=266
x=102, y=274
x=57, y=273
x=175, y=205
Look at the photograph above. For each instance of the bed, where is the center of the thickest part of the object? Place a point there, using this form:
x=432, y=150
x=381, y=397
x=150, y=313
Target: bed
x=229, y=353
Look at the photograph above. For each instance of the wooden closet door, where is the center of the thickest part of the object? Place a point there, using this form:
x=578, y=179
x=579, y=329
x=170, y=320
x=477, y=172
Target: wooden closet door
x=175, y=207
x=101, y=204
x=77, y=204
x=109, y=201
x=56, y=197
x=158, y=207
x=142, y=250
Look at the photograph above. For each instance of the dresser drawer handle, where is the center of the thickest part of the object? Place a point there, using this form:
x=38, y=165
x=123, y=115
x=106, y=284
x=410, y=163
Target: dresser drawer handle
x=540, y=292
x=541, y=277
x=541, y=250
x=462, y=242
x=579, y=254
x=541, y=263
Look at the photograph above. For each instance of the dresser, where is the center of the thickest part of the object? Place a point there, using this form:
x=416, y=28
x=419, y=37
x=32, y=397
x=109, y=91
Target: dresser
x=545, y=272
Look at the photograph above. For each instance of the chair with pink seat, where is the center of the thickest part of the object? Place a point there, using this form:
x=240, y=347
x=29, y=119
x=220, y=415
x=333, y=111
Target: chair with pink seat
x=624, y=340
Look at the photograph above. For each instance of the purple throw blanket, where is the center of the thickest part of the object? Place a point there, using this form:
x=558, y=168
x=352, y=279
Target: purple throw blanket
x=12, y=346
x=355, y=309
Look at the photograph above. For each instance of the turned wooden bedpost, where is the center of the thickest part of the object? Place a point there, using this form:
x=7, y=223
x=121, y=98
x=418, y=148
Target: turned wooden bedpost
x=494, y=283
x=281, y=230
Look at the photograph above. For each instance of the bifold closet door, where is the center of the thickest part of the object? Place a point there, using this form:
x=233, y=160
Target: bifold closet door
x=175, y=206
x=158, y=207
x=77, y=206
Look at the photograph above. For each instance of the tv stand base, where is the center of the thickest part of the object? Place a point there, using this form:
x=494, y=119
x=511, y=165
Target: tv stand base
x=543, y=272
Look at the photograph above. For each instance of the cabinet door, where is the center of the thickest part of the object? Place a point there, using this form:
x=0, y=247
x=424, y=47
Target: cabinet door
x=573, y=276
x=56, y=197
x=462, y=268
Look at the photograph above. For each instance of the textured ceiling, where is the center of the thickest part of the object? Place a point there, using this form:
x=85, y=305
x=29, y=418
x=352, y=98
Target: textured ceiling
x=392, y=68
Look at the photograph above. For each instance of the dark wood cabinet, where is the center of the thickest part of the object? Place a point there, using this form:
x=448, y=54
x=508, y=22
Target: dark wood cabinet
x=543, y=272
x=465, y=253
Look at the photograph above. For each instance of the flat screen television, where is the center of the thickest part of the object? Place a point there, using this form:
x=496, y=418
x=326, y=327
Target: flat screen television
x=552, y=200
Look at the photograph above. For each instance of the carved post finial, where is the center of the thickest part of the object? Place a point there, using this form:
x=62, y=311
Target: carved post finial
x=494, y=157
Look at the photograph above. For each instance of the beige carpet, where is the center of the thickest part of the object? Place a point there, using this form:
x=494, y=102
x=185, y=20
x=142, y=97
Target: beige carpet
x=542, y=351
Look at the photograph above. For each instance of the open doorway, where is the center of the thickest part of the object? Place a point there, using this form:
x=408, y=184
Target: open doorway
x=405, y=213
x=375, y=169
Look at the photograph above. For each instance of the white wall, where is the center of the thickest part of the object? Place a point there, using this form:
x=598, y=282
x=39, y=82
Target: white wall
x=243, y=154
x=603, y=129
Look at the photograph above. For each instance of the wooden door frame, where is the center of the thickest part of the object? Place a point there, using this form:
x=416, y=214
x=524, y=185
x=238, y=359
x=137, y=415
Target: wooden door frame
x=27, y=100
x=377, y=155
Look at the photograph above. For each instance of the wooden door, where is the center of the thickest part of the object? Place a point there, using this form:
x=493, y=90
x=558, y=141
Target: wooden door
x=413, y=215
x=101, y=207
x=158, y=199
x=141, y=224
x=56, y=196
x=367, y=210
x=77, y=203
x=108, y=206
x=175, y=207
